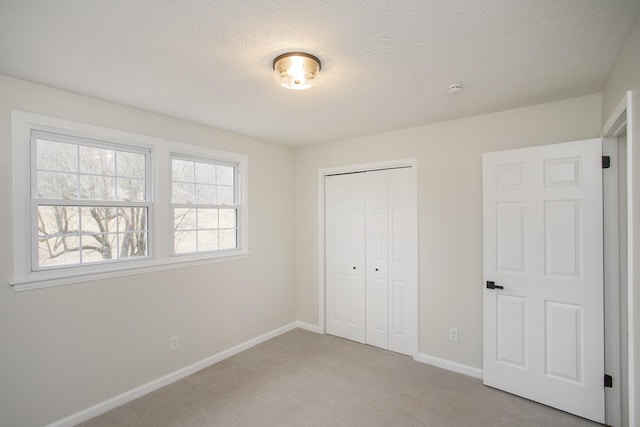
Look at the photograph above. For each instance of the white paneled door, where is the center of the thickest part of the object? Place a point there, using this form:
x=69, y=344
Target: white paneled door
x=543, y=273
x=345, y=256
x=371, y=258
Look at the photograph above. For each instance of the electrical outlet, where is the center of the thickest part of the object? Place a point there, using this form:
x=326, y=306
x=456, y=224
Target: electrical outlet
x=453, y=334
x=173, y=343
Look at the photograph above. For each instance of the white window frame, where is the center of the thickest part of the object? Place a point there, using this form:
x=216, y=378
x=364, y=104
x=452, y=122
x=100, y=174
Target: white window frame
x=36, y=202
x=160, y=227
x=237, y=206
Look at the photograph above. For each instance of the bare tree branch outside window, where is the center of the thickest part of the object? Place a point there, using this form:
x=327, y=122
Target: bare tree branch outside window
x=80, y=230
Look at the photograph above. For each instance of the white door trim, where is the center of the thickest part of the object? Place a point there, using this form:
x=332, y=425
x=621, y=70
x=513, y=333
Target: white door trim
x=387, y=164
x=619, y=121
x=612, y=324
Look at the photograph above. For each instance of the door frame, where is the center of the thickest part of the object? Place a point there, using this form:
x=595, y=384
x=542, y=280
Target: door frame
x=612, y=285
x=623, y=118
x=360, y=167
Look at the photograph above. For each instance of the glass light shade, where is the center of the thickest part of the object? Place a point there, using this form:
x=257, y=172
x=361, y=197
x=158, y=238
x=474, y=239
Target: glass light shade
x=296, y=70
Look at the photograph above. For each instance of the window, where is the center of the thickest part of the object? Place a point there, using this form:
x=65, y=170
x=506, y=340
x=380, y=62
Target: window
x=91, y=202
x=203, y=204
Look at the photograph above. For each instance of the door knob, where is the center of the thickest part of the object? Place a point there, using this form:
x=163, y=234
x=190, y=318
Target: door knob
x=492, y=285
x=376, y=269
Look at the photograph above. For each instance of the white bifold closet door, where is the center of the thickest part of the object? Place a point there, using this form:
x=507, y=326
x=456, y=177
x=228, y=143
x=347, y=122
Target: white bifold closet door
x=344, y=242
x=371, y=258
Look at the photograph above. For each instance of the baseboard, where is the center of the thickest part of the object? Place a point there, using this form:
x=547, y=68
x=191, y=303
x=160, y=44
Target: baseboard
x=450, y=366
x=309, y=327
x=130, y=395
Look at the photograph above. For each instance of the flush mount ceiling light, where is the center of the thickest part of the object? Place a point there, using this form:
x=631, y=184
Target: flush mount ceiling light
x=296, y=70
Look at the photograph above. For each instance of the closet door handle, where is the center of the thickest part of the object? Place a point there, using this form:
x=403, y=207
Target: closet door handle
x=354, y=268
x=376, y=269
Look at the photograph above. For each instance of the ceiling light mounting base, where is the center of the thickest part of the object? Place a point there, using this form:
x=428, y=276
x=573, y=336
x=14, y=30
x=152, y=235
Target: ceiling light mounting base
x=454, y=88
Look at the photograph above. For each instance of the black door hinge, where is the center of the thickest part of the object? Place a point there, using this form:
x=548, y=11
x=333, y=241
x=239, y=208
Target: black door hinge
x=608, y=381
x=606, y=162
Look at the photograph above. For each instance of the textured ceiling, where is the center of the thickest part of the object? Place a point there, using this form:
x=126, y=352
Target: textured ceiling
x=386, y=64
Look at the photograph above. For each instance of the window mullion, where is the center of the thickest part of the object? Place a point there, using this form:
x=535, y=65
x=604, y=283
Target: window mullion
x=78, y=173
x=80, y=236
x=202, y=206
x=115, y=173
x=34, y=236
x=197, y=232
x=90, y=203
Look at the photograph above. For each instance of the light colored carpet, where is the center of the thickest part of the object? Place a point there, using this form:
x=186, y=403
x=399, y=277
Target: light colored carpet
x=305, y=379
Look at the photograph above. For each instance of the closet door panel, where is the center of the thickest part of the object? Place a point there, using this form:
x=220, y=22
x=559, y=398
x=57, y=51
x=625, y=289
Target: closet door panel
x=377, y=256
x=403, y=244
x=345, y=256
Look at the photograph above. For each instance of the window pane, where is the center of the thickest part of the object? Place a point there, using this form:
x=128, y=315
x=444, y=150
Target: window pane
x=205, y=173
x=225, y=195
x=227, y=239
x=97, y=247
x=56, y=156
x=53, y=185
x=58, y=220
x=182, y=193
x=227, y=218
x=132, y=219
x=58, y=250
x=130, y=165
x=98, y=220
x=207, y=218
x=182, y=170
x=205, y=194
x=184, y=219
x=225, y=175
x=207, y=240
x=131, y=189
x=97, y=187
x=184, y=242
x=132, y=244
x=97, y=161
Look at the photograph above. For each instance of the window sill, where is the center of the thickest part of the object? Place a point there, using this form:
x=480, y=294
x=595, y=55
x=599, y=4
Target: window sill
x=56, y=278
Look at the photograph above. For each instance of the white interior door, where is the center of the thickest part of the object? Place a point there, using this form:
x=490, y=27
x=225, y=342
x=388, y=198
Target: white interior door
x=543, y=321
x=345, y=256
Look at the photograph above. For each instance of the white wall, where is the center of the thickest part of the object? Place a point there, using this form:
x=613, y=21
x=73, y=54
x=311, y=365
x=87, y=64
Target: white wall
x=450, y=208
x=625, y=76
x=66, y=348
